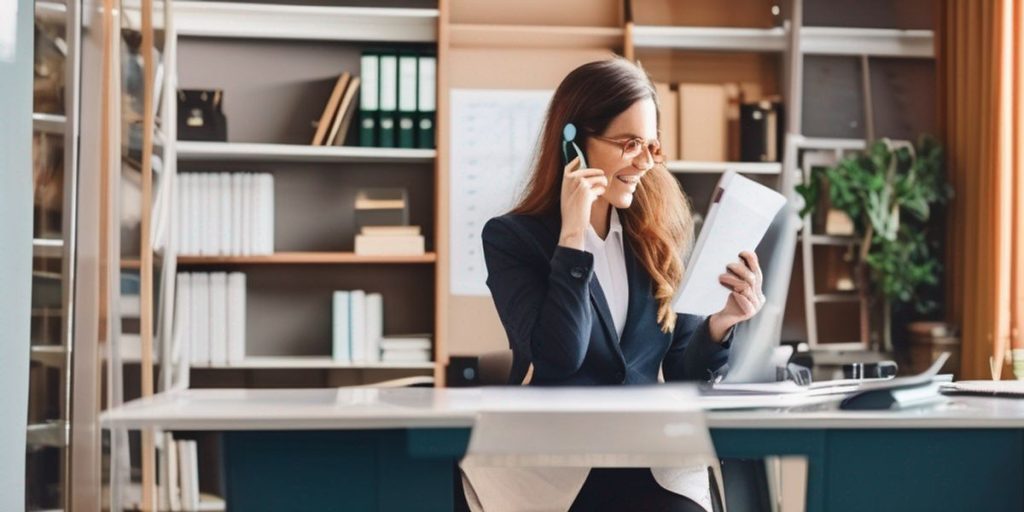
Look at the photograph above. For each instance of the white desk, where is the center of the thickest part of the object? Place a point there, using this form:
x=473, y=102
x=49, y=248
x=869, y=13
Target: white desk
x=394, y=449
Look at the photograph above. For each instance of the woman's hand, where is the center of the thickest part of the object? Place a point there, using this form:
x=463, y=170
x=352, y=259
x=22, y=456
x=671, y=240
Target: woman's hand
x=580, y=188
x=744, y=279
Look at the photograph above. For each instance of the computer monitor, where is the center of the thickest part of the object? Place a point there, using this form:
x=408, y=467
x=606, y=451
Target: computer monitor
x=754, y=342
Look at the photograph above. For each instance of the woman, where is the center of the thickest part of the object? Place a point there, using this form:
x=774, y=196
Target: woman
x=584, y=269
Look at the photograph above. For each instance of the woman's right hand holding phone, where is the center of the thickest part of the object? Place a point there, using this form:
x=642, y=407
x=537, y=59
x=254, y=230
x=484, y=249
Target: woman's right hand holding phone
x=580, y=188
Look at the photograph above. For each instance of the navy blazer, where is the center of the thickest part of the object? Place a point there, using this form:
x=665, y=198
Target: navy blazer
x=557, y=318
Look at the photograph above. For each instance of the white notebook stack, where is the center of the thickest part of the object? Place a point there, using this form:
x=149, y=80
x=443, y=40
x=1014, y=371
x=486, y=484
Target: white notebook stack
x=211, y=317
x=411, y=348
x=358, y=326
x=225, y=214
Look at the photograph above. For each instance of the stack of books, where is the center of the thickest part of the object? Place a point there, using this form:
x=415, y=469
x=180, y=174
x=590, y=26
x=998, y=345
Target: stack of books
x=211, y=317
x=390, y=241
x=719, y=122
x=225, y=214
x=397, y=104
x=358, y=326
x=405, y=349
x=179, y=475
x=338, y=112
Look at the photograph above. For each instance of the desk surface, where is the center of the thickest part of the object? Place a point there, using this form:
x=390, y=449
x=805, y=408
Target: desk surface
x=372, y=408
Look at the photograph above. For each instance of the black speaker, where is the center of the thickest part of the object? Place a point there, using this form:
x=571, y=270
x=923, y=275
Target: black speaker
x=463, y=371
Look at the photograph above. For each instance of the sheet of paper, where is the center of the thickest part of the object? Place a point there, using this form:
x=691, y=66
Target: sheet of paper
x=736, y=222
x=493, y=143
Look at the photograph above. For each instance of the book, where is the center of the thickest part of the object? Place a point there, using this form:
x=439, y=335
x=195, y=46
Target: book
x=761, y=131
x=188, y=462
x=346, y=112
x=218, y=318
x=374, y=325
x=391, y=245
x=341, y=348
x=236, y=317
x=329, y=110
x=405, y=356
x=407, y=92
x=388, y=100
x=183, y=316
x=369, y=106
x=426, y=101
x=357, y=326
x=702, y=122
x=392, y=343
x=335, y=122
x=390, y=230
x=201, y=319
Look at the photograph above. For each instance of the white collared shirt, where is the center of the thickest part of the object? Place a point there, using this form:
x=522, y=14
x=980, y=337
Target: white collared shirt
x=610, y=268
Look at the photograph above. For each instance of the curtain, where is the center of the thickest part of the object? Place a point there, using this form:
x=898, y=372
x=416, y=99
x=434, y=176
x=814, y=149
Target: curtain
x=980, y=47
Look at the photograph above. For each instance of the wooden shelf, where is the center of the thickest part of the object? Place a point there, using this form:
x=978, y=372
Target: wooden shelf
x=875, y=42
x=306, y=258
x=242, y=151
x=710, y=38
x=326, y=362
x=691, y=167
x=324, y=23
x=534, y=36
x=49, y=123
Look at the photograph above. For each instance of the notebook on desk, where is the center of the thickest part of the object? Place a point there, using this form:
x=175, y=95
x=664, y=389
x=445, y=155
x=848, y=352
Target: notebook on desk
x=998, y=388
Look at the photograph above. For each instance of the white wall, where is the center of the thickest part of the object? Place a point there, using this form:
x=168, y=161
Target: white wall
x=16, y=17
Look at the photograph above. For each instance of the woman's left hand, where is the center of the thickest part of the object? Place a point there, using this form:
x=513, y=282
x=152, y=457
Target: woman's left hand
x=744, y=280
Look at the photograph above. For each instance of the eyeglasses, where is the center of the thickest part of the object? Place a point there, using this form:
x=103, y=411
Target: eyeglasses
x=633, y=147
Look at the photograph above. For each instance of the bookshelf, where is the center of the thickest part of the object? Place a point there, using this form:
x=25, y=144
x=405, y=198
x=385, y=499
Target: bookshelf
x=269, y=115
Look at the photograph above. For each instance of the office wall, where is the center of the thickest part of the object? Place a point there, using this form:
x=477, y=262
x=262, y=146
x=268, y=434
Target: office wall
x=15, y=242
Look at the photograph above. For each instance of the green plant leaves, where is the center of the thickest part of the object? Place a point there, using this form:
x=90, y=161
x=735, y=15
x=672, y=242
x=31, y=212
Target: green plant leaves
x=874, y=188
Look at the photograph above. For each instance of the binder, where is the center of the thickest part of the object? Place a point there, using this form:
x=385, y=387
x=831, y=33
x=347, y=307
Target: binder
x=341, y=348
x=702, y=122
x=388, y=100
x=357, y=325
x=218, y=318
x=407, y=92
x=374, y=325
x=369, y=105
x=426, y=101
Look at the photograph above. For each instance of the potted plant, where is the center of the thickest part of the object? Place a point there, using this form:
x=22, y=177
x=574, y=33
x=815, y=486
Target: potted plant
x=888, y=191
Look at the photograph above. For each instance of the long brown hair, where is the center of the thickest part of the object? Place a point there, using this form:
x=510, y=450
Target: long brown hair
x=658, y=225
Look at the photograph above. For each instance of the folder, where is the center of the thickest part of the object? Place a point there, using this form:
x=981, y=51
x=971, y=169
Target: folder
x=388, y=100
x=368, y=96
x=427, y=101
x=407, y=92
x=341, y=348
x=357, y=325
x=329, y=109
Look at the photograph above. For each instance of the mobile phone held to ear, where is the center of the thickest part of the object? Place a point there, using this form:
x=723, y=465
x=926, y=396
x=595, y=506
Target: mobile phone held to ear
x=569, y=148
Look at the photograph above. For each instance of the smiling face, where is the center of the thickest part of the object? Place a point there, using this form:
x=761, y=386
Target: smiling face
x=640, y=120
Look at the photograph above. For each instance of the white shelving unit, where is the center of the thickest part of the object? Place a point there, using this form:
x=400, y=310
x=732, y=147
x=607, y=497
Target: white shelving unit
x=867, y=41
x=711, y=38
x=235, y=151
x=691, y=167
x=305, y=22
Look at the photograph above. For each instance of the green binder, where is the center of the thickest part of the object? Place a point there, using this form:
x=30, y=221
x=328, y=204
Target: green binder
x=388, y=100
x=368, y=99
x=407, y=116
x=427, y=101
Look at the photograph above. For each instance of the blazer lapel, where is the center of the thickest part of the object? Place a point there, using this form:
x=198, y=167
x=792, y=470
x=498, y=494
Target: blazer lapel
x=605, y=315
